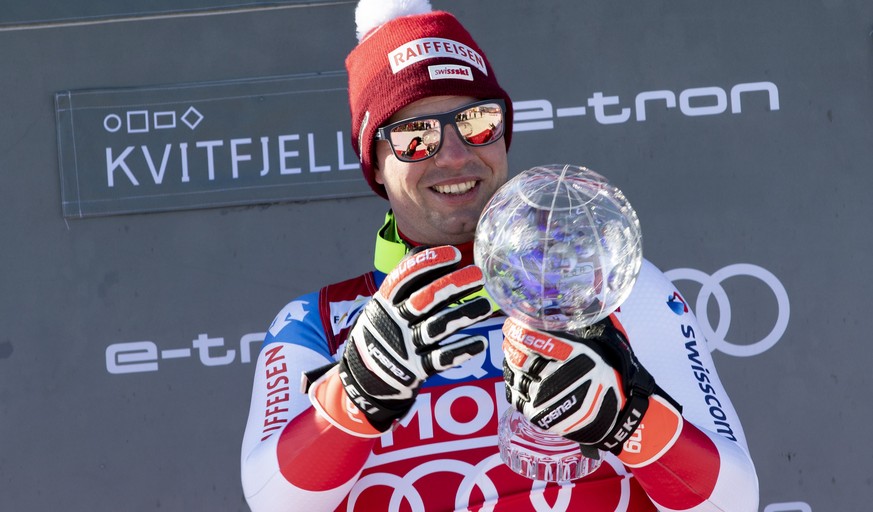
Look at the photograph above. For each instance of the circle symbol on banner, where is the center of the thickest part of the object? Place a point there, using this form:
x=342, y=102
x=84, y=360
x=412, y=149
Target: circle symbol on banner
x=112, y=123
x=711, y=287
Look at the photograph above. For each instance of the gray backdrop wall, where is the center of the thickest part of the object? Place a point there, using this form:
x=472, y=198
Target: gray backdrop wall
x=741, y=131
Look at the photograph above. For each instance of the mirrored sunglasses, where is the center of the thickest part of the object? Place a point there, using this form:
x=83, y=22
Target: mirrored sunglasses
x=419, y=138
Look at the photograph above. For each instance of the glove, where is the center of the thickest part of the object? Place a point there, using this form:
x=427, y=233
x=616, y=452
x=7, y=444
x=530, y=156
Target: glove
x=400, y=339
x=590, y=388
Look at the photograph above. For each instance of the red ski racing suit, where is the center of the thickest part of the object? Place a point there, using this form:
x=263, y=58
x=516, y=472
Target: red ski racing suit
x=443, y=455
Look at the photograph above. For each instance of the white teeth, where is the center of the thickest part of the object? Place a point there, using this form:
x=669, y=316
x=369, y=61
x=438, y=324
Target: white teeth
x=457, y=188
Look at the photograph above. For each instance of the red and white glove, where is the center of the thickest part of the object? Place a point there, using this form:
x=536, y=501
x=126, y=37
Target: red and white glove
x=590, y=388
x=400, y=339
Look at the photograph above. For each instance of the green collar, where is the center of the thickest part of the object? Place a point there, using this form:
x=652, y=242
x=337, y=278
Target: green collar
x=390, y=248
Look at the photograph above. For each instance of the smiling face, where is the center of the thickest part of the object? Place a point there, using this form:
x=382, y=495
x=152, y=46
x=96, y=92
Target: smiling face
x=439, y=200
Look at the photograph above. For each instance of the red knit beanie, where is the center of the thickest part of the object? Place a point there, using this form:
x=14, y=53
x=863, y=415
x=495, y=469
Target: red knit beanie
x=407, y=52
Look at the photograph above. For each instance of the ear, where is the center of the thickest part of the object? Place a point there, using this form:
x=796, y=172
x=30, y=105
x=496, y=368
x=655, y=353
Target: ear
x=377, y=159
x=378, y=176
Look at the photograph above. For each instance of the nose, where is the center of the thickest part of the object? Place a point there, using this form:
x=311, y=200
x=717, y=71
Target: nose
x=453, y=152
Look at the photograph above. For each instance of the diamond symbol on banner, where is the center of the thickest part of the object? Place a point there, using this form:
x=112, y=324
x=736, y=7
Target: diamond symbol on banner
x=192, y=117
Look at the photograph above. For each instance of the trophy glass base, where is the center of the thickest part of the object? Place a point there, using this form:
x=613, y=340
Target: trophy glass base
x=540, y=455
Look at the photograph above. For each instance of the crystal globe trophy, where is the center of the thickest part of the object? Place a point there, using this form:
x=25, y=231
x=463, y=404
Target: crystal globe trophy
x=560, y=249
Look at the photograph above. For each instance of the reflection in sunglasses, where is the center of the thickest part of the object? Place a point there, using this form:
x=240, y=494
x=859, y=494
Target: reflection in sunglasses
x=420, y=138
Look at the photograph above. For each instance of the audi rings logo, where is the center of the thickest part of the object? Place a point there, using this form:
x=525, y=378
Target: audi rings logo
x=711, y=286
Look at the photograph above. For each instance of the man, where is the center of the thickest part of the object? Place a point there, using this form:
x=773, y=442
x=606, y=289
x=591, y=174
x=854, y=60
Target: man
x=406, y=381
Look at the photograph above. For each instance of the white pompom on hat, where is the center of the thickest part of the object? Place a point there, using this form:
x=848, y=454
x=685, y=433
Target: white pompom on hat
x=404, y=51
x=372, y=14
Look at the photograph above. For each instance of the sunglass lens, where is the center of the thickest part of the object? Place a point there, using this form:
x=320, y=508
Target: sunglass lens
x=416, y=140
x=481, y=124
